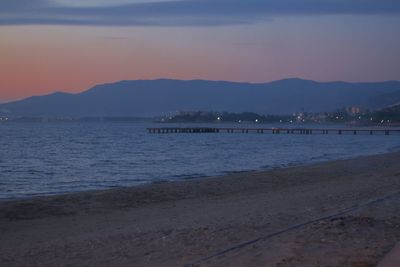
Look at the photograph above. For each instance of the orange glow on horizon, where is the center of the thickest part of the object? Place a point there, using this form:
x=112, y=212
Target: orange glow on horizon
x=37, y=60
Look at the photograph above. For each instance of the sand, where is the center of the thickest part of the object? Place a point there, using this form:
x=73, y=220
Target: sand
x=272, y=218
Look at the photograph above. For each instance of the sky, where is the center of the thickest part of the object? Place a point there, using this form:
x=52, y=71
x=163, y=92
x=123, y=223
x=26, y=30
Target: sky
x=72, y=45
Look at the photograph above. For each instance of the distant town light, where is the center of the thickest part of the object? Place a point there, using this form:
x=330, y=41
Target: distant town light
x=219, y=118
x=256, y=120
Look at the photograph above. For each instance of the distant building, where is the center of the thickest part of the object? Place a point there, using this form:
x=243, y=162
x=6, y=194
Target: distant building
x=354, y=110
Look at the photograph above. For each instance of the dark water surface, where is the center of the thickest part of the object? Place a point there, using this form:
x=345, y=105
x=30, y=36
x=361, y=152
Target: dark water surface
x=55, y=158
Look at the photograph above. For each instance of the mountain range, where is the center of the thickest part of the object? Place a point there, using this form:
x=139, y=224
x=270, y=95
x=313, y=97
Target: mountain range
x=160, y=97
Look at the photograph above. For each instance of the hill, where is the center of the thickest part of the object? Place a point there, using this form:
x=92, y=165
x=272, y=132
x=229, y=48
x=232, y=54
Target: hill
x=158, y=97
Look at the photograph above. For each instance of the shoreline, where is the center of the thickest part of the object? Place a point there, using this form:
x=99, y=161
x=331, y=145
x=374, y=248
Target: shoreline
x=200, y=177
x=181, y=222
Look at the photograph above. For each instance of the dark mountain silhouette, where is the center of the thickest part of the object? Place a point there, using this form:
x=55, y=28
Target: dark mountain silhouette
x=157, y=97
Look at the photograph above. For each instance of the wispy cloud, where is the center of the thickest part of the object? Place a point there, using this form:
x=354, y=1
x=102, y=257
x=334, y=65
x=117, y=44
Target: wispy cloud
x=183, y=12
x=117, y=38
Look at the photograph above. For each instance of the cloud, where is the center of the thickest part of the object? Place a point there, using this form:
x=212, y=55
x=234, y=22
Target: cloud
x=115, y=38
x=184, y=12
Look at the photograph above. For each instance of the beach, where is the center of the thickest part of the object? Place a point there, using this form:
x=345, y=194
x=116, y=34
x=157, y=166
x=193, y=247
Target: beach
x=338, y=213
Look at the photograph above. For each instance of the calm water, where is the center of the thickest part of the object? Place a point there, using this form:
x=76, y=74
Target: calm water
x=54, y=158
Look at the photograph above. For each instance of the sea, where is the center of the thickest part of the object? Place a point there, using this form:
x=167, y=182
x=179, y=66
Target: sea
x=51, y=158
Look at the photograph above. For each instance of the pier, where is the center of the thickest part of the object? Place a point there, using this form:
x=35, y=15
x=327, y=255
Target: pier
x=303, y=131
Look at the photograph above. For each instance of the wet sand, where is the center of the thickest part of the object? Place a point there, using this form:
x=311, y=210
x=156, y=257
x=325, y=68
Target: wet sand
x=274, y=218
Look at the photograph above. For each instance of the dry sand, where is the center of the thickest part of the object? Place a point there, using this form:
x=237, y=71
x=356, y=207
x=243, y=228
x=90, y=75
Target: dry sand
x=188, y=223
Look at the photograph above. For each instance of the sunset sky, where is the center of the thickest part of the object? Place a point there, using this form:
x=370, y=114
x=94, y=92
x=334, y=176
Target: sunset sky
x=71, y=45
